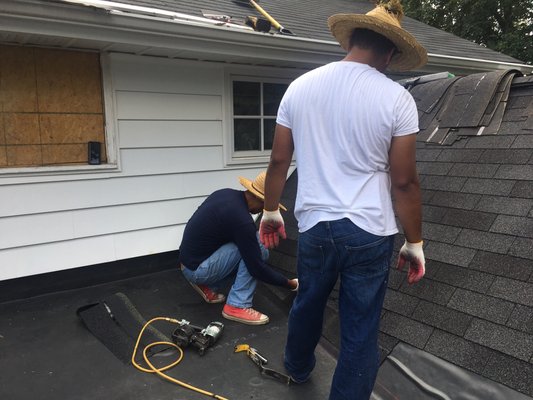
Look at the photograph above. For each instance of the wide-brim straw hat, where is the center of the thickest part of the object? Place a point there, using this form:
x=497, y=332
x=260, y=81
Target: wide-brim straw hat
x=384, y=19
x=257, y=186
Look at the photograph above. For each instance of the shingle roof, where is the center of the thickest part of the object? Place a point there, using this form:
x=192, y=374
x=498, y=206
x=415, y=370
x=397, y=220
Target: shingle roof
x=295, y=16
x=474, y=307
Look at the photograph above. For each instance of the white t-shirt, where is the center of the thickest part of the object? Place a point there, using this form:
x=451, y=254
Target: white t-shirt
x=343, y=117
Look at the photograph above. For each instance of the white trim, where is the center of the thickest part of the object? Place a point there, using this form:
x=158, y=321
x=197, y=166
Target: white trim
x=252, y=74
x=110, y=106
x=111, y=137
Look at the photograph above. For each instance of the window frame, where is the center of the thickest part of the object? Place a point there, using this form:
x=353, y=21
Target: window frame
x=110, y=132
x=258, y=75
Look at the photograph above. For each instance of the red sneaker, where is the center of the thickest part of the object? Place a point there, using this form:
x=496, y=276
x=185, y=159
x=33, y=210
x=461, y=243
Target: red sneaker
x=208, y=295
x=247, y=316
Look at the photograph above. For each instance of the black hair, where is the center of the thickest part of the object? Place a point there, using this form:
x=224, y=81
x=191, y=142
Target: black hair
x=368, y=39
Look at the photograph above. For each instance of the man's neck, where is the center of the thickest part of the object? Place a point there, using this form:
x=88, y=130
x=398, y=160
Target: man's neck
x=366, y=56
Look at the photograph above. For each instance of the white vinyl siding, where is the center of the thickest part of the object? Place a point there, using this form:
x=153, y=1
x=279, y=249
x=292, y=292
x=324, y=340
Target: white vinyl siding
x=169, y=116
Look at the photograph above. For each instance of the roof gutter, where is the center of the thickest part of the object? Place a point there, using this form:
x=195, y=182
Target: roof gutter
x=466, y=65
x=147, y=28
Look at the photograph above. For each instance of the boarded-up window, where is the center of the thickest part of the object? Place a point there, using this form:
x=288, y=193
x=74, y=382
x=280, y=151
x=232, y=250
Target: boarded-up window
x=51, y=106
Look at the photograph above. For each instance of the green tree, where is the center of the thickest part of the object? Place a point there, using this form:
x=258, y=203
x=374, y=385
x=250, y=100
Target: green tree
x=502, y=25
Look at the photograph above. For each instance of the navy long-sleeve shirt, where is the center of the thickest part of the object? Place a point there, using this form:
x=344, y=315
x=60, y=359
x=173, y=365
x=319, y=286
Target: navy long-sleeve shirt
x=223, y=218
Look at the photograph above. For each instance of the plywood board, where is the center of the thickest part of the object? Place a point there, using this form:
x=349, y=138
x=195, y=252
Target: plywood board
x=71, y=128
x=17, y=79
x=21, y=128
x=27, y=155
x=68, y=81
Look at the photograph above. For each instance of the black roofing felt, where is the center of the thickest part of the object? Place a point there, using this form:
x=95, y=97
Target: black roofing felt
x=474, y=307
x=308, y=19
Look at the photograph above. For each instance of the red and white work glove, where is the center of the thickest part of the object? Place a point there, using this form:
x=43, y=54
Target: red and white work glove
x=271, y=228
x=412, y=253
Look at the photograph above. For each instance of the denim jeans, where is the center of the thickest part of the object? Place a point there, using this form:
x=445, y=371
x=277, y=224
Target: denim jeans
x=327, y=251
x=222, y=268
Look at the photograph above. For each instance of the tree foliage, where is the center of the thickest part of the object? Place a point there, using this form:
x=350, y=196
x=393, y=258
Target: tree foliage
x=502, y=25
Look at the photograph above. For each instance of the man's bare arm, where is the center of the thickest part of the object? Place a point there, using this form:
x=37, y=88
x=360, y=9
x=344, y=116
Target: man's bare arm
x=280, y=160
x=405, y=186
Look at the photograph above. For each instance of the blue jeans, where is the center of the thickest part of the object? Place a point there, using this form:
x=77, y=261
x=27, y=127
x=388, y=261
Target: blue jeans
x=326, y=251
x=222, y=268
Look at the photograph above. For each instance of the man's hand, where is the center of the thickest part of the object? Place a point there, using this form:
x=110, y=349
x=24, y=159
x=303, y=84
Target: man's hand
x=412, y=253
x=271, y=228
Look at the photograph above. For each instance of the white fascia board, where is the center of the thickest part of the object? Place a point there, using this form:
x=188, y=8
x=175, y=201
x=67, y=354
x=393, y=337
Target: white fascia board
x=85, y=23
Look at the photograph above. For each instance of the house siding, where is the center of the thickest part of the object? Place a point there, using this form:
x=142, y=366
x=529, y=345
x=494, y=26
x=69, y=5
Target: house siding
x=169, y=118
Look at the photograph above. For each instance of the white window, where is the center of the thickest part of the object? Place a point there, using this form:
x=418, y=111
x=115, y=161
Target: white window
x=253, y=106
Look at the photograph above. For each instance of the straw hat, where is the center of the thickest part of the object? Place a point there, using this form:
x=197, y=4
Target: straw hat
x=384, y=19
x=257, y=187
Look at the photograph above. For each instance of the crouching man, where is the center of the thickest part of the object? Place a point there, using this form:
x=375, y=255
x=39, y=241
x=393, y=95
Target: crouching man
x=221, y=247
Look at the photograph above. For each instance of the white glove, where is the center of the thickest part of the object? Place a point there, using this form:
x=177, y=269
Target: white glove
x=271, y=228
x=413, y=253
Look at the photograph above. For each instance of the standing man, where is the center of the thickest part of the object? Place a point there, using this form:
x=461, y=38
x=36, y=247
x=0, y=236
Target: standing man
x=220, y=245
x=353, y=131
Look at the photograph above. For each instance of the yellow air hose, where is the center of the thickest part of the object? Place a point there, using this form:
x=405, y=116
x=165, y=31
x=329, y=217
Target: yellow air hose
x=159, y=371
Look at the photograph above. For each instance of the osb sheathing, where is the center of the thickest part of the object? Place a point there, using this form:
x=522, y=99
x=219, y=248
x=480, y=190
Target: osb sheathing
x=51, y=106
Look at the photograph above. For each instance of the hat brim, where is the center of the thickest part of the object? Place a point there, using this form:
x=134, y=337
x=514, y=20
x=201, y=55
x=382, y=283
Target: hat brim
x=411, y=54
x=248, y=184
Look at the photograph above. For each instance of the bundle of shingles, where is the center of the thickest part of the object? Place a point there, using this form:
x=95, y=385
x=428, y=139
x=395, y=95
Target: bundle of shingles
x=457, y=107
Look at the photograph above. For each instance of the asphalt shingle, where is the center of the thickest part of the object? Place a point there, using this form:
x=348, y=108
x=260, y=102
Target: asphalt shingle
x=474, y=170
x=442, y=317
x=521, y=319
x=406, y=329
x=505, y=206
x=505, y=156
x=510, y=371
x=490, y=142
x=462, y=155
x=522, y=248
x=523, y=189
x=449, y=254
x=457, y=350
x=432, y=213
x=446, y=183
x=501, y=338
x=400, y=303
x=511, y=225
x=441, y=233
x=512, y=290
x=518, y=172
x=464, y=278
x=468, y=219
x=502, y=265
x=482, y=306
x=455, y=200
x=493, y=242
x=430, y=290
x=497, y=187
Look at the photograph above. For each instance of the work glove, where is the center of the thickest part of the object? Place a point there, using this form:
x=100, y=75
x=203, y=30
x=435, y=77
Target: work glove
x=271, y=228
x=295, y=280
x=412, y=253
